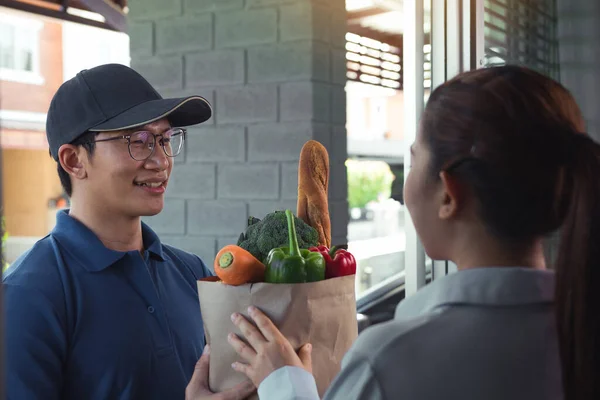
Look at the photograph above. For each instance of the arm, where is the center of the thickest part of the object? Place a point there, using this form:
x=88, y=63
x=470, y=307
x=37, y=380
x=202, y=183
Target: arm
x=288, y=383
x=356, y=381
x=35, y=345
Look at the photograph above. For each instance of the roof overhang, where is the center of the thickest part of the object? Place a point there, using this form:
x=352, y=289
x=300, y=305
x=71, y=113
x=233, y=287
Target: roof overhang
x=106, y=14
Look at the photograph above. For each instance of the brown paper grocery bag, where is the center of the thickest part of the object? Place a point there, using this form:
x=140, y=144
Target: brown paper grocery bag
x=322, y=313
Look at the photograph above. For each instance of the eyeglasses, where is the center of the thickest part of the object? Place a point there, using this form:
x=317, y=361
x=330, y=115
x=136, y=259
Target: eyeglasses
x=142, y=143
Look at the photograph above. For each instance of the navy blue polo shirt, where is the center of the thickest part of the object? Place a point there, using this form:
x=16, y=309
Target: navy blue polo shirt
x=87, y=322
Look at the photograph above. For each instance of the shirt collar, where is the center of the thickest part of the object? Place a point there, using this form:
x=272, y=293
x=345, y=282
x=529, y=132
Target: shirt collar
x=489, y=286
x=90, y=252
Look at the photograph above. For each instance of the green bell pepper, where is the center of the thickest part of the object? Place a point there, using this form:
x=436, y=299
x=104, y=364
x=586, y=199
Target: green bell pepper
x=292, y=265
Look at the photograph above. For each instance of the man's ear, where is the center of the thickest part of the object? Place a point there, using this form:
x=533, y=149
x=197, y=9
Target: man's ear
x=71, y=159
x=453, y=196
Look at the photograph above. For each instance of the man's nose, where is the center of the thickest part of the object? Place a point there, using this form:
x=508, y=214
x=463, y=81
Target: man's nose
x=158, y=159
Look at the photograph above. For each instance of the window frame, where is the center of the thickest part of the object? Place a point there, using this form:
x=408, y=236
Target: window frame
x=17, y=75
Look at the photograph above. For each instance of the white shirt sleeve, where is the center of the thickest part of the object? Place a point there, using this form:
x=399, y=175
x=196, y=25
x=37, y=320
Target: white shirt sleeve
x=288, y=383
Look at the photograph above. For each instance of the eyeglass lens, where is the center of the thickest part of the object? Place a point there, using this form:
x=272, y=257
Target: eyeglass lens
x=142, y=143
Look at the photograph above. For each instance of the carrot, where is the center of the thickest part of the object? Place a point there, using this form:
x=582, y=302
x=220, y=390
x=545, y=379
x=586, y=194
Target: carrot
x=236, y=266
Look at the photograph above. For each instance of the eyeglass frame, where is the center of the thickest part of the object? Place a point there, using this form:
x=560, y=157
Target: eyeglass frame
x=155, y=136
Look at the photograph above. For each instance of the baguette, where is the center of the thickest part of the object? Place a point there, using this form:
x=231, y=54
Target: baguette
x=313, y=184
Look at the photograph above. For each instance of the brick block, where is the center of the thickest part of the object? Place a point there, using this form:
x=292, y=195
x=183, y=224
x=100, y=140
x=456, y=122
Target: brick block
x=245, y=28
x=193, y=181
x=214, y=68
x=338, y=66
x=289, y=61
x=252, y=103
x=141, y=38
x=227, y=240
x=568, y=8
x=338, y=150
x=338, y=104
x=177, y=35
x=338, y=181
x=207, y=93
x=263, y=3
x=304, y=20
x=289, y=181
x=585, y=87
x=322, y=134
x=202, y=246
x=247, y=181
x=278, y=141
x=593, y=128
x=259, y=209
x=153, y=9
x=216, y=144
x=590, y=96
x=341, y=239
x=338, y=30
x=171, y=220
x=219, y=218
x=302, y=101
x=578, y=55
x=338, y=213
x=162, y=73
x=578, y=29
x=200, y=6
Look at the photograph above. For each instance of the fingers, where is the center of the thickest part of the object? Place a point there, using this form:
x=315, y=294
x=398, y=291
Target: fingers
x=305, y=355
x=252, y=335
x=200, y=375
x=239, y=392
x=198, y=384
x=241, y=367
x=266, y=326
x=243, y=350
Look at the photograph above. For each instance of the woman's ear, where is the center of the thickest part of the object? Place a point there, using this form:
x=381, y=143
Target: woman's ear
x=452, y=196
x=70, y=158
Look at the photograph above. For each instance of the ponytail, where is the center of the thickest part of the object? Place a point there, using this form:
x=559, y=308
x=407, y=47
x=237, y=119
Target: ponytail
x=578, y=275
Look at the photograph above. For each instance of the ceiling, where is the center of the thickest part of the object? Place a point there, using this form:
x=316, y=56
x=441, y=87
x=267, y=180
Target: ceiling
x=108, y=14
x=384, y=16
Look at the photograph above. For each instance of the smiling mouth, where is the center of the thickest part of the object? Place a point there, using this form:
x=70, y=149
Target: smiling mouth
x=149, y=184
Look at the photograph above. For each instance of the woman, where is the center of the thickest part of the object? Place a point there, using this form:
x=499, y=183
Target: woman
x=499, y=162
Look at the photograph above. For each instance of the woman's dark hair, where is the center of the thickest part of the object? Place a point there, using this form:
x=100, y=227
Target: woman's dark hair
x=515, y=137
x=84, y=140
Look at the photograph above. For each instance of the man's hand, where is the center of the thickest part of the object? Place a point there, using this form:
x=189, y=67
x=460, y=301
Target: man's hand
x=268, y=349
x=198, y=389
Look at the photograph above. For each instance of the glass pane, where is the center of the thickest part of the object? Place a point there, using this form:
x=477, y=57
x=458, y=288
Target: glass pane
x=375, y=128
x=521, y=32
x=7, y=50
x=376, y=143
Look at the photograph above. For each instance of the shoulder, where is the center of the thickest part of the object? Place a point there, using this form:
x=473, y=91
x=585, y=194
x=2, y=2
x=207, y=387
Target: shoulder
x=35, y=281
x=34, y=266
x=379, y=341
x=384, y=357
x=189, y=260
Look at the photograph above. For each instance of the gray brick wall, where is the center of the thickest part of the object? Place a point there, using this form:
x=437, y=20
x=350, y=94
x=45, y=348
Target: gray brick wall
x=579, y=52
x=274, y=71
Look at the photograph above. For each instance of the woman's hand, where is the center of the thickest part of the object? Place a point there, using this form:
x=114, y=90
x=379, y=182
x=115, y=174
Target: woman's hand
x=268, y=351
x=198, y=389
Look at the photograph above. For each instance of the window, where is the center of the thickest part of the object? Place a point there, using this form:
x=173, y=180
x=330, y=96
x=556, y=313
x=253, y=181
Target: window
x=522, y=32
x=20, y=49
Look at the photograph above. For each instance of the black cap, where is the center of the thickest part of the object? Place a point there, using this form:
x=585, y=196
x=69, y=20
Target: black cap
x=114, y=97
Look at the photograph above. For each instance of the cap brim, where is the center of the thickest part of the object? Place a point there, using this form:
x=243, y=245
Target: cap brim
x=184, y=111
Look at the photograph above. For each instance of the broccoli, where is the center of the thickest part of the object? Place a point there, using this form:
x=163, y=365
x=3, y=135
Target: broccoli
x=272, y=231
